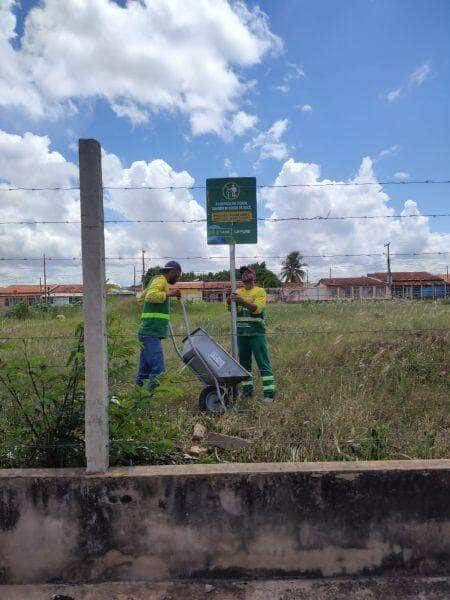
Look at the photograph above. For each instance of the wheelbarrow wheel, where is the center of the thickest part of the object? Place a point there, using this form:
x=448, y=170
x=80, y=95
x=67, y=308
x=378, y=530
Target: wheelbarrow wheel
x=210, y=402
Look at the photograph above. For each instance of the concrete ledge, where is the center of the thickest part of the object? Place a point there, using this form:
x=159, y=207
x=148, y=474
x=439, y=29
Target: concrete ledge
x=228, y=521
x=400, y=588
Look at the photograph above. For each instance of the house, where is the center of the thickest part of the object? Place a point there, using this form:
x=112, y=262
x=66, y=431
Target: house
x=216, y=291
x=208, y=291
x=30, y=294
x=415, y=284
x=190, y=290
x=57, y=294
x=65, y=294
x=354, y=288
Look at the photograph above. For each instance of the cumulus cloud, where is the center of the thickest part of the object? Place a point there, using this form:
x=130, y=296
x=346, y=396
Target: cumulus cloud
x=414, y=79
x=306, y=108
x=242, y=121
x=401, y=176
x=29, y=161
x=171, y=55
x=344, y=237
x=269, y=143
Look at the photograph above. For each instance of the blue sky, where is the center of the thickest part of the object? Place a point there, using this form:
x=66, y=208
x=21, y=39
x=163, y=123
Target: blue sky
x=345, y=79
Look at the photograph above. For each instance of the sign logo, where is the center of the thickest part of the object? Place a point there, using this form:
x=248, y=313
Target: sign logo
x=231, y=191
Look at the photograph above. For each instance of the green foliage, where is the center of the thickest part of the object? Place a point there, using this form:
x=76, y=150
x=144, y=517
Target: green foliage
x=151, y=272
x=18, y=311
x=292, y=270
x=265, y=277
x=42, y=408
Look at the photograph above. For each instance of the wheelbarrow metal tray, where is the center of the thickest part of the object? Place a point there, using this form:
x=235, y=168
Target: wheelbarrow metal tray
x=220, y=363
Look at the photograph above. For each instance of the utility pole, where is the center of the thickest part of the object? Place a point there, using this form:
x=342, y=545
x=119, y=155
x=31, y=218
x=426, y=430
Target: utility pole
x=134, y=279
x=45, y=279
x=330, y=272
x=143, y=268
x=389, y=273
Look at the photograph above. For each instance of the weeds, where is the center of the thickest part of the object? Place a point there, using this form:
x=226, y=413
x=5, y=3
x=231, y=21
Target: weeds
x=341, y=396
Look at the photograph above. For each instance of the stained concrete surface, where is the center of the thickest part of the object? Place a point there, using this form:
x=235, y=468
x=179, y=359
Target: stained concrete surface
x=226, y=521
x=410, y=588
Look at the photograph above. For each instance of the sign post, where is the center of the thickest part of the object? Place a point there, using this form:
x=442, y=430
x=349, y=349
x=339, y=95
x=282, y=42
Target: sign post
x=232, y=219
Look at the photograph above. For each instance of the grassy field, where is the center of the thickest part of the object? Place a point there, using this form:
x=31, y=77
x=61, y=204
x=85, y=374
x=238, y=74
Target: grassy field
x=345, y=390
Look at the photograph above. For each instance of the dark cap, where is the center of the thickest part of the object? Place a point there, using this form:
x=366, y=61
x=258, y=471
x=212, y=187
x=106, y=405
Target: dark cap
x=172, y=264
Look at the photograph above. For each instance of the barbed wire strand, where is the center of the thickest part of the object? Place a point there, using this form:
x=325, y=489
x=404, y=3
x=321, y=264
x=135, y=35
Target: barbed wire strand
x=259, y=186
x=264, y=219
x=268, y=333
x=217, y=257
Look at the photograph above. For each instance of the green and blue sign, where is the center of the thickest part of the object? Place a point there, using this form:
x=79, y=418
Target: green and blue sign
x=231, y=210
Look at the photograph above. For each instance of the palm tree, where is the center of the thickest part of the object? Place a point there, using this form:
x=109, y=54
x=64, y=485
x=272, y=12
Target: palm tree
x=292, y=270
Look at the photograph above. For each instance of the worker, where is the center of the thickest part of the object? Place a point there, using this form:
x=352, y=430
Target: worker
x=155, y=323
x=251, y=309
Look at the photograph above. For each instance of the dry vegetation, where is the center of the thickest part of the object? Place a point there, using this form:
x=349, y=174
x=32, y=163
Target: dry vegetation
x=345, y=392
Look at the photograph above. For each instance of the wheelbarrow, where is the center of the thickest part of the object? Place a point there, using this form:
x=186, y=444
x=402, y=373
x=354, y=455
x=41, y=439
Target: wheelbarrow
x=219, y=372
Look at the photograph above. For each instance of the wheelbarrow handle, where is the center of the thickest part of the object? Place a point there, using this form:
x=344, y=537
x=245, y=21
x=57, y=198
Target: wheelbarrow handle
x=185, y=317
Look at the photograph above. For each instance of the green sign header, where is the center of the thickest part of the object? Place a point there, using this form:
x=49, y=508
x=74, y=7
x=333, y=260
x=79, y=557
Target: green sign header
x=231, y=210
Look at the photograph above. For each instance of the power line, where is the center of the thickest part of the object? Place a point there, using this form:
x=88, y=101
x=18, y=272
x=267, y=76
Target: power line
x=203, y=187
x=263, y=219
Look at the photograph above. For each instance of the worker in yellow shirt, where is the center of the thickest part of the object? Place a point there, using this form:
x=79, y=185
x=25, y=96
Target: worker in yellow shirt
x=155, y=323
x=251, y=310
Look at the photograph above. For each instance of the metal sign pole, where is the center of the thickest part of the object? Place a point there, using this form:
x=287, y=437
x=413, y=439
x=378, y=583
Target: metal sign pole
x=234, y=348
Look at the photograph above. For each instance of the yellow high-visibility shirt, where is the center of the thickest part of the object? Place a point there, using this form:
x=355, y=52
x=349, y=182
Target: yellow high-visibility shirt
x=256, y=295
x=157, y=291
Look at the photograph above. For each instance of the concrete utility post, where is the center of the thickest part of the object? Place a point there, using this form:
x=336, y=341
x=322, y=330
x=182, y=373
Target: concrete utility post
x=94, y=307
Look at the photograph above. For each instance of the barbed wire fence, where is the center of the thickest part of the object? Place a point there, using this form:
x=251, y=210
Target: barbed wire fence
x=94, y=265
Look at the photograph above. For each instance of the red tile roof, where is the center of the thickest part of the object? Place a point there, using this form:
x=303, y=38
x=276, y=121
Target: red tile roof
x=445, y=277
x=351, y=281
x=39, y=290
x=409, y=277
x=23, y=290
x=72, y=288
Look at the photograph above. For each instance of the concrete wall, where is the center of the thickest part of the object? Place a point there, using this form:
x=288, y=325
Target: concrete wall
x=259, y=520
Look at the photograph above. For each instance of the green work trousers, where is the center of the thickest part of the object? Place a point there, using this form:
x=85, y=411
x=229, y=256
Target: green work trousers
x=256, y=345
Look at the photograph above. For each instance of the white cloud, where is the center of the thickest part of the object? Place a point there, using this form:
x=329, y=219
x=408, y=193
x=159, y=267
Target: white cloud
x=344, y=237
x=415, y=79
x=242, y=121
x=401, y=176
x=269, y=142
x=294, y=72
x=171, y=55
x=306, y=108
x=394, y=95
x=284, y=89
x=391, y=151
x=28, y=160
x=421, y=74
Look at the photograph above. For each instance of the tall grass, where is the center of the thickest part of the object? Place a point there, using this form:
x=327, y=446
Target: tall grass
x=348, y=388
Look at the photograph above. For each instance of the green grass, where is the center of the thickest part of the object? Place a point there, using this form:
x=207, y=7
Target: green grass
x=341, y=395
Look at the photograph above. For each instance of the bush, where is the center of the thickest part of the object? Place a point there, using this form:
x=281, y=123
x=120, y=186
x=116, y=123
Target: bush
x=18, y=311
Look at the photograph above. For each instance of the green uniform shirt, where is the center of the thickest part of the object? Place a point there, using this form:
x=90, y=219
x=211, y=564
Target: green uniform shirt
x=156, y=310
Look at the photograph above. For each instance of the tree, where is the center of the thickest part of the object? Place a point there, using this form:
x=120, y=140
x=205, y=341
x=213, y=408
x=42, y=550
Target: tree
x=265, y=277
x=151, y=272
x=292, y=270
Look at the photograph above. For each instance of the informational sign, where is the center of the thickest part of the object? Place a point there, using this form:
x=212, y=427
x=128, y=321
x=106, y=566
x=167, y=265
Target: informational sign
x=231, y=210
